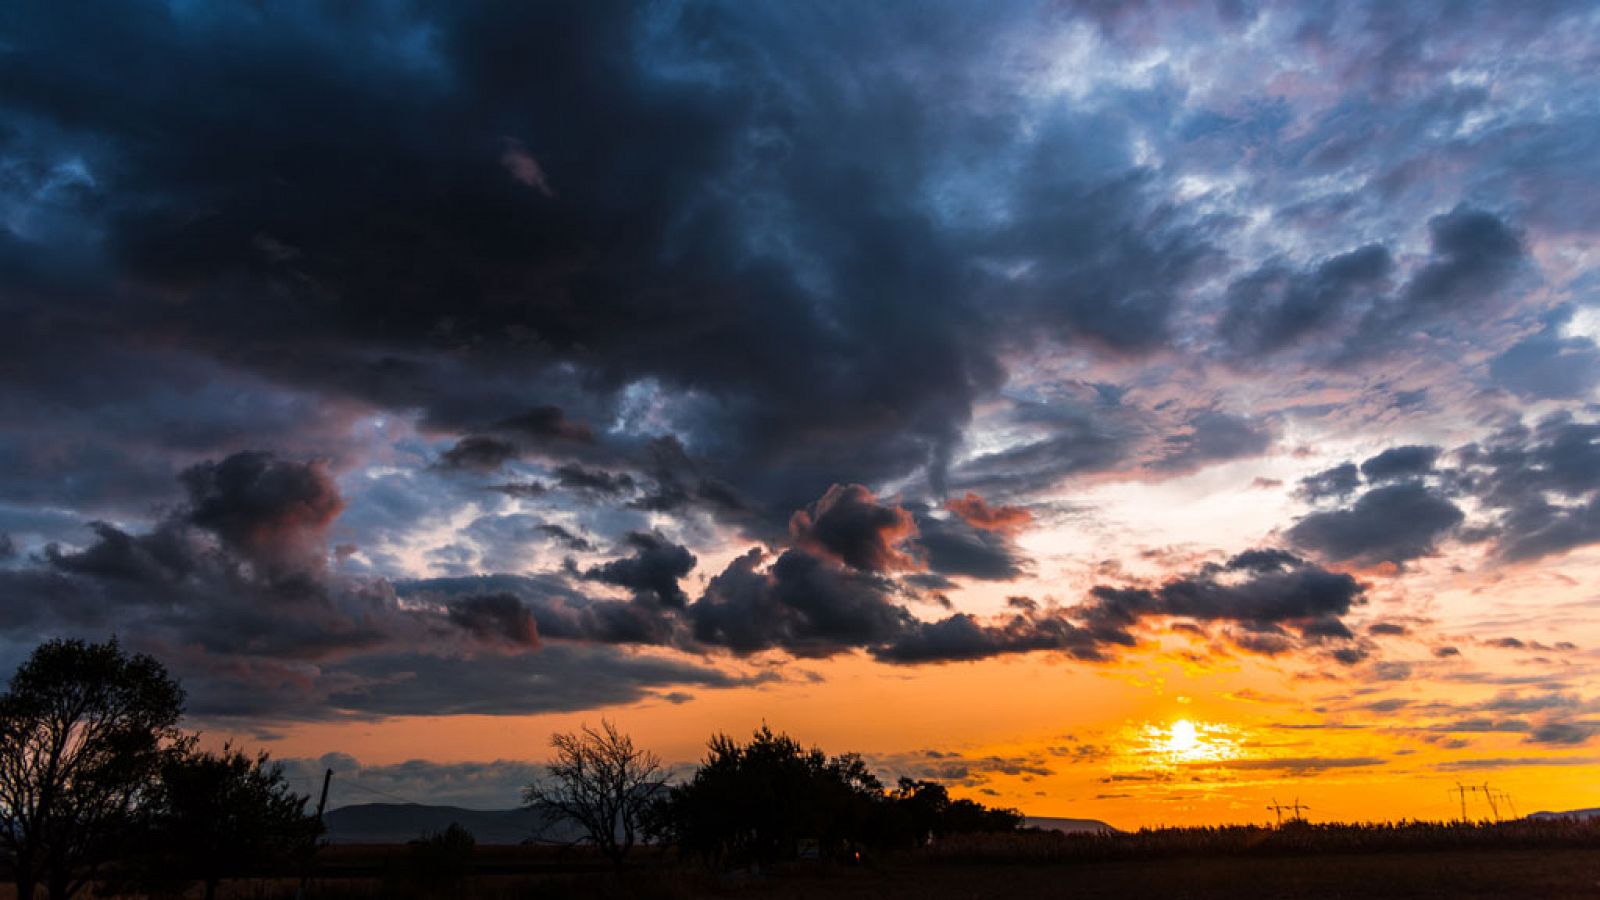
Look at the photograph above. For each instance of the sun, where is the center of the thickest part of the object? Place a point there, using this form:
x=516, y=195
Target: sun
x=1183, y=740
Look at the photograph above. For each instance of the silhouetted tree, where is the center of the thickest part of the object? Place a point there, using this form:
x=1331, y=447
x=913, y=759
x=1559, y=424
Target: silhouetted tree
x=755, y=802
x=600, y=781
x=215, y=815
x=84, y=730
x=435, y=865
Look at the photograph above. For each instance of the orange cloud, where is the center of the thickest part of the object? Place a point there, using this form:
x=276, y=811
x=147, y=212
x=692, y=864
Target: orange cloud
x=977, y=512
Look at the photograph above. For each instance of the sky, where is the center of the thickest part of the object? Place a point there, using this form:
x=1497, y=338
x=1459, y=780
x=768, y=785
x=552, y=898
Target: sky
x=1146, y=411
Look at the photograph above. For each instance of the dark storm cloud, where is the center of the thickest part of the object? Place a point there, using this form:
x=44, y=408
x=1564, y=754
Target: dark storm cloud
x=1337, y=483
x=273, y=512
x=1258, y=589
x=401, y=223
x=479, y=452
x=559, y=611
x=628, y=262
x=1275, y=306
x=1392, y=523
x=575, y=477
x=521, y=489
x=850, y=525
x=653, y=571
x=1103, y=262
x=952, y=546
x=557, y=678
x=233, y=591
x=545, y=423
x=1475, y=257
x=539, y=429
x=1476, y=254
x=1345, y=304
x=566, y=538
x=1542, y=485
x=962, y=637
x=496, y=616
x=1400, y=463
x=1212, y=437
x=1276, y=601
x=1081, y=438
x=807, y=605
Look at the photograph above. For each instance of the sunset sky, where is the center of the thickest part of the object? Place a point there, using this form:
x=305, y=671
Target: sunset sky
x=1140, y=411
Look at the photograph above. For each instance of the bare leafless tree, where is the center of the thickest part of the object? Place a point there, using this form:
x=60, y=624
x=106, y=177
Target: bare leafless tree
x=601, y=782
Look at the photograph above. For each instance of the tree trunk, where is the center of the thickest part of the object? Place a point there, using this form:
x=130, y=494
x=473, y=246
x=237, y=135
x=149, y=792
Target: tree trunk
x=25, y=885
x=211, y=888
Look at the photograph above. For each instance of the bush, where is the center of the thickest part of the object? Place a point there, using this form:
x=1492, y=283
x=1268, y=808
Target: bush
x=435, y=865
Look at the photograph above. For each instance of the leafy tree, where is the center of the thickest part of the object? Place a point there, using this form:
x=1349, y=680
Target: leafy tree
x=222, y=814
x=435, y=865
x=84, y=730
x=601, y=782
x=755, y=802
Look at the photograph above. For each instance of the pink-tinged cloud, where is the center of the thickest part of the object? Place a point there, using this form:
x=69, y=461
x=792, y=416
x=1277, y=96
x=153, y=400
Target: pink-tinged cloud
x=522, y=166
x=976, y=511
x=849, y=525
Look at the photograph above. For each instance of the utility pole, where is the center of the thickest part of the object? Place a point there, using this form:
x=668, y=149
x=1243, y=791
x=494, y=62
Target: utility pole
x=1297, y=807
x=1488, y=796
x=322, y=804
x=1462, y=793
x=1294, y=807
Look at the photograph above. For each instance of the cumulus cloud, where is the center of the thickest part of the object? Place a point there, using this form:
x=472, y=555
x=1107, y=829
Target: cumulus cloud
x=1393, y=523
x=1542, y=484
x=850, y=525
x=653, y=571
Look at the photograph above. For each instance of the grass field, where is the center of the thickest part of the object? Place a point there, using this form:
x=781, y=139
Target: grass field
x=1395, y=861
x=1514, y=874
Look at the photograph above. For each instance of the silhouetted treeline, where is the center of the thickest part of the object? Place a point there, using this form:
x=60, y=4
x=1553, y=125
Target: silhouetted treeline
x=99, y=785
x=1295, y=838
x=771, y=799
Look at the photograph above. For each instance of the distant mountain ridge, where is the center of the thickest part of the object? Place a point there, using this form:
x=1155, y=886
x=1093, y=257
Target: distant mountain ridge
x=1569, y=814
x=397, y=823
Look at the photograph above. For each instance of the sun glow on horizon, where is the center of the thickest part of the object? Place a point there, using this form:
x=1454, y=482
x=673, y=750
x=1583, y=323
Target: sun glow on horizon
x=1184, y=742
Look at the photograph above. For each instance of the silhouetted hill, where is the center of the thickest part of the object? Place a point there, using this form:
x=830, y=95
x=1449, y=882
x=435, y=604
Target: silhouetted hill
x=396, y=823
x=1066, y=826
x=1569, y=814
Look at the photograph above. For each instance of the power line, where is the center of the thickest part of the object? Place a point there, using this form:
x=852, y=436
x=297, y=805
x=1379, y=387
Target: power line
x=347, y=782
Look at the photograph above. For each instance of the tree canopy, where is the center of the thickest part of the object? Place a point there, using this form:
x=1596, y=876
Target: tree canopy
x=84, y=730
x=757, y=802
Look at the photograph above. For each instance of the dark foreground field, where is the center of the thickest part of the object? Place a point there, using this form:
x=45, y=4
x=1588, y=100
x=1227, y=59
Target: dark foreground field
x=1558, y=873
